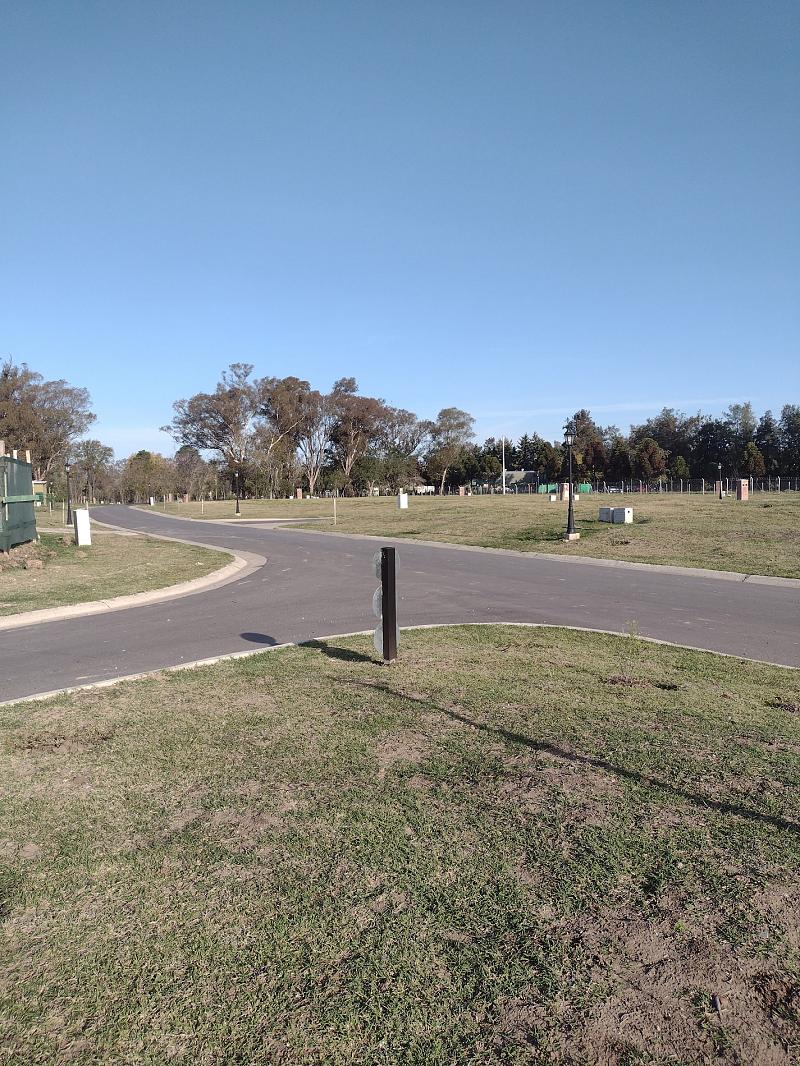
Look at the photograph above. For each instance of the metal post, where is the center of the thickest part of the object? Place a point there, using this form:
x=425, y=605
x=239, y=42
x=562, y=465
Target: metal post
x=570, y=514
x=719, y=469
x=504, y=465
x=236, y=478
x=389, y=590
x=69, y=502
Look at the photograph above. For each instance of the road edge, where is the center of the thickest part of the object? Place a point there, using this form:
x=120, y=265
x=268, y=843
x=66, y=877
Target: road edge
x=247, y=653
x=243, y=563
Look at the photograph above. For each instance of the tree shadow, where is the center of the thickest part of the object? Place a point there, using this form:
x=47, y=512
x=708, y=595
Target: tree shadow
x=703, y=802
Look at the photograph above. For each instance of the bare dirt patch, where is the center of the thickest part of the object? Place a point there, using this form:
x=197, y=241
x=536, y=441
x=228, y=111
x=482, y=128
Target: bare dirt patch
x=404, y=746
x=590, y=791
x=82, y=740
x=19, y=557
x=779, y=903
x=669, y=995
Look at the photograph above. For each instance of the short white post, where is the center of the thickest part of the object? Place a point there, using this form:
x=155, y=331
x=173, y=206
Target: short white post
x=334, y=510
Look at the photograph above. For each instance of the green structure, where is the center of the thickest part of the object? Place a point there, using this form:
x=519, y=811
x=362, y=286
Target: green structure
x=17, y=520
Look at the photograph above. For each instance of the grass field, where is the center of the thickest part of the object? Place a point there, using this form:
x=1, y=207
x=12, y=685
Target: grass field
x=114, y=565
x=761, y=536
x=512, y=846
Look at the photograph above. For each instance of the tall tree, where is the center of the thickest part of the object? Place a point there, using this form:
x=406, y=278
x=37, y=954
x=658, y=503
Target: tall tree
x=145, y=474
x=753, y=461
x=92, y=462
x=650, y=460
x=790, y=439
x=45, y=416
x=223, y=421
x=451, y=432
x=316, y=424
x=358, y=422
x=768, y=442
x=673, y=431
x=619, y=465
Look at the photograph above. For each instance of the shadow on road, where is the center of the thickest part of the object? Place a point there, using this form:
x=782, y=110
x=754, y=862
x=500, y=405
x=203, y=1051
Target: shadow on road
x=258, y=638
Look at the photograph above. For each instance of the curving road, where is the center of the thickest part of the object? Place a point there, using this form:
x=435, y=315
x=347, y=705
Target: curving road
x=313, y=586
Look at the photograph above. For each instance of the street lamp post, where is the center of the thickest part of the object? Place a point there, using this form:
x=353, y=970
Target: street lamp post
x=569, y=440
x=719, y=470
x=67, y=469
x=236, y=478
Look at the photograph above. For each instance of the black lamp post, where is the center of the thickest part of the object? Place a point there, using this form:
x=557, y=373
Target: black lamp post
x=569, y=440
x=719, y=469
x=67, y=469
x=236, y=478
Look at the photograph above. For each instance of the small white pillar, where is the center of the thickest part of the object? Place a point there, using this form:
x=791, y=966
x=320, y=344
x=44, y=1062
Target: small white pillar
x=402, y=501
x=83, y=531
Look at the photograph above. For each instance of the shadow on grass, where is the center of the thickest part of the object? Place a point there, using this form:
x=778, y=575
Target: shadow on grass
x=703, y=802
x=332, y=652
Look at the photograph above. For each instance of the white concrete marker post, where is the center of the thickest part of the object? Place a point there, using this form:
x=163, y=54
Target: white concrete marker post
x=402, y=501
x=83, y=531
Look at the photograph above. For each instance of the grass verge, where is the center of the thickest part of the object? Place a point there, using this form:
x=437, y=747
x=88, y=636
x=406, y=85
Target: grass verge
x=512, y=846
x=115, y=565
x=761, y=536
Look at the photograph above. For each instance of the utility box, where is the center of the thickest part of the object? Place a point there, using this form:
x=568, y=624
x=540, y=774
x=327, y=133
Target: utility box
x=564, y=491
x=298, y=494
x=604, y=514
x=622, y=515
x=553, y=498
x=83, y=529
x=402, y=501
x=743, y=489
x=17, y=519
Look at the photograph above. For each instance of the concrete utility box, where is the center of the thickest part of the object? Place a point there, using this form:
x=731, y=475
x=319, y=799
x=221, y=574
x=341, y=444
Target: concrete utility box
x=622, y=515
x=604, y=514
x=298, y=494
x=564, y=491
x=553, y=498
x=83, y=530
x=402, y=501
x=743, y=489
x=152, y=501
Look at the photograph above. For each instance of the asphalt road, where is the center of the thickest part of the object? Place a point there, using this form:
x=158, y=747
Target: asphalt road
x=313, y=586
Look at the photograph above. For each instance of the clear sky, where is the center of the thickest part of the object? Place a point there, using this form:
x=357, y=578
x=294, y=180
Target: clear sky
x=518, y=208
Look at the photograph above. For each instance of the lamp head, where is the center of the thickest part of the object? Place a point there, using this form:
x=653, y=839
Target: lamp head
x=569, y=436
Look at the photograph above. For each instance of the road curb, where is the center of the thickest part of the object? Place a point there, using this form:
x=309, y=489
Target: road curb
x=248, y=653
x=578, y=560
x=243, y=563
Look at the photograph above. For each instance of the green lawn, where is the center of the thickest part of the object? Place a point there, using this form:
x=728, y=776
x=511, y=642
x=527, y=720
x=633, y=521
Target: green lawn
x=761, y=536
x=512, y=846
x=114, y=565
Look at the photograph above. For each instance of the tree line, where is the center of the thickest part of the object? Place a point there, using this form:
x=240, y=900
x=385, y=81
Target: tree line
x=268, y=436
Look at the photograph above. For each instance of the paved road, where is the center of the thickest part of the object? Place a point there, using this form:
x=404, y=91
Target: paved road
x=314, y=585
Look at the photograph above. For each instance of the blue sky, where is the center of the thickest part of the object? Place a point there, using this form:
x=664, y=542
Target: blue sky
x=516, y=208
